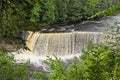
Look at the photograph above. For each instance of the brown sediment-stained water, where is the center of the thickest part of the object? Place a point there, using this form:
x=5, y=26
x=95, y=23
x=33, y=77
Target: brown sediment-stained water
x=61, y=43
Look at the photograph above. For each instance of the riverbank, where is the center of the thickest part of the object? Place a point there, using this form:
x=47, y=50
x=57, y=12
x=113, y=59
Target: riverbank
x=11, y=46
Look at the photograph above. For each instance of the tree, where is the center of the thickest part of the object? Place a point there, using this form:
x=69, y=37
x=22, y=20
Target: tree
x=102, y=60
x=11, y=71
x=13, y=17
x=36, y=10
x=61, y=10
x=57, y=68
x=49, y=8
x=74, y=8
x=5, y=23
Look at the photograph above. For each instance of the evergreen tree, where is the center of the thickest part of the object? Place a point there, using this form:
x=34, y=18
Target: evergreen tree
x=13, y=17
x=74, y=11
x=90, y=7
x=49, y=15
x=61, y=10
x=35, y=13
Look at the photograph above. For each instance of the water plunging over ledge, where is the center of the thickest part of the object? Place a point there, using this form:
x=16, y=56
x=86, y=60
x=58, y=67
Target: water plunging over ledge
x=60, y=43
x=64, y=45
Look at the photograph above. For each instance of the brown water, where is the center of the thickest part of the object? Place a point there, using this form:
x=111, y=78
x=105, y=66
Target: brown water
x=61, y=43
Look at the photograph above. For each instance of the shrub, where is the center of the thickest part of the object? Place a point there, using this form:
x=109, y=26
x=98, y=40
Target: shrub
x=57, y=68
x=9, y=70
x=97, y=62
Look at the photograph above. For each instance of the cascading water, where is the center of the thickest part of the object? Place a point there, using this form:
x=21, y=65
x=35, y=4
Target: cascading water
x=65, y=45
x=61, y=43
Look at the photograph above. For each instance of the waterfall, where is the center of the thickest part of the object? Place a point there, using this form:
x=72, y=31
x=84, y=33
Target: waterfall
x=32, y=37
x=64, y=43
x=60, y=43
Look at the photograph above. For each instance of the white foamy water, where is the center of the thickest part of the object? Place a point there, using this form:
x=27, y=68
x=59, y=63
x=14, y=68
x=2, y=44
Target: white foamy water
x=38, y=61
x=65, y=46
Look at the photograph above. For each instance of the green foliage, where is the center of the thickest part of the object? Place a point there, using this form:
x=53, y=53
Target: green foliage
x=102, y=60
x=11, y=71
x=114, y=42
x=107, y=12
x=61, y=71
x=35, y=13
x=5, y=22
x=77, y=71
x=74, y=8
x=61, y=10
x=57, y=68
x=99, y=61
x=49, y=15
x=38, y=76
x=90, y=7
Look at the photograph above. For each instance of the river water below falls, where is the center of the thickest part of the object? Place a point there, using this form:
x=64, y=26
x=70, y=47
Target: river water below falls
x=64, y=45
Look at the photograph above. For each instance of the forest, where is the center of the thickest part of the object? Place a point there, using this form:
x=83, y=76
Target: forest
x=97, y=62
x=32, y=15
